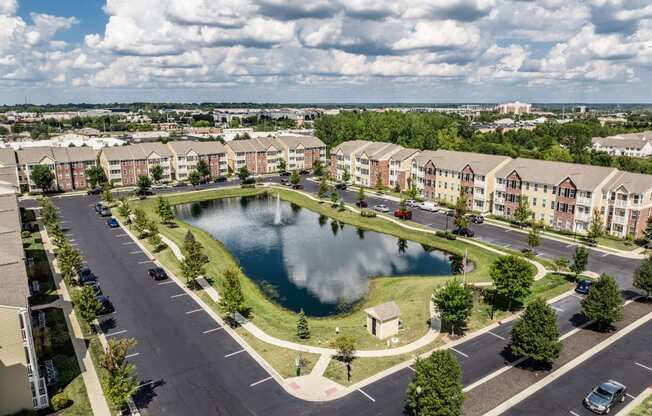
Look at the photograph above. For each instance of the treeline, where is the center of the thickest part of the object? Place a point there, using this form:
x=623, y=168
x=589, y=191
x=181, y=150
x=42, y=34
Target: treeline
x=569, y=142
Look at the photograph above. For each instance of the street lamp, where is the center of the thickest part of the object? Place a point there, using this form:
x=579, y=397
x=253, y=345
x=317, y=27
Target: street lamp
x=418, y=400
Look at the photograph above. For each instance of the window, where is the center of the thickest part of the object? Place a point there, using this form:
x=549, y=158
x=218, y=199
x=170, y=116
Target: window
x=545, y=189
x=534, y=202
x=543, y=203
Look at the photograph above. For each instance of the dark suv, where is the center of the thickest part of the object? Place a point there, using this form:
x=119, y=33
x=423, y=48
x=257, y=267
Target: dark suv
x=86, y=276
x=157, y=273
x=464, y=232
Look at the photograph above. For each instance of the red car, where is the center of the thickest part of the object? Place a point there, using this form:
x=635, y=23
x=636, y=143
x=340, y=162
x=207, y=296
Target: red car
x=404, y=215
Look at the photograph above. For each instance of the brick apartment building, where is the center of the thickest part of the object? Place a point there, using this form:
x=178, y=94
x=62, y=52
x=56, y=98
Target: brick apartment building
x=301, y=151
x=186, y=154
x=627, y=204
x=125, y=164
x=68, y=164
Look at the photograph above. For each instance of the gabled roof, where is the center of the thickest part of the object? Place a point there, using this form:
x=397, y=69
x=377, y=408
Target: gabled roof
x=481, y=164
x=246, y=146
x=32, y=155
x=201, y=148
x=631, y=140
x=307, y=141
x=404, y=154
x=635, y=183
x=585, y=177
x=7, y=157
x=348, y=148
x=137, y=151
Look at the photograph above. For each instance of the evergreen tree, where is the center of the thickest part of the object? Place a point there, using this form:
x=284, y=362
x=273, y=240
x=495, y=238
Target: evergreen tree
x=604, y=303
x=164, y=210
x=194, y=260
x=334, y=197
x=580, y=260
x=436, y=388
x=596, y=228
x=643, y=276
x=512, y=277
x=454, y=303
x=460, y=211
x=295, y=178
x=522, y=212
x=536, y=335
x=323, y=188
x=232, y=299
x=303, y=329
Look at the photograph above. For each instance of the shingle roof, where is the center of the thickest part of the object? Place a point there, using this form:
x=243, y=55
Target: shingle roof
x=385, y=311
x=249, y=145
x=14, y=290
x=201, y=148
x=7, y=157
x=136, y=151
x=585, y=177
x=32, y=155
x=306, y=141
x=405, y=153
x=636, y=183
x=351, y=146
x=456, y=161
x=631, y=140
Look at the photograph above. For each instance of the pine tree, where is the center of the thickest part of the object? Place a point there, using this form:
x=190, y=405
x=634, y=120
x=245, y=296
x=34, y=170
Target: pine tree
x=232, y=299
x=194, y=260
x=436, y=388
x=460, y=211
x=303, y=329
x=454, y=303
x=604, y=303
x=536, y=335
x=323, y=188
x=643, y=276
x=512, y=277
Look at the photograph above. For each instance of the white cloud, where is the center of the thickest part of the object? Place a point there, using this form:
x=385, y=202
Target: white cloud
x=8, y=7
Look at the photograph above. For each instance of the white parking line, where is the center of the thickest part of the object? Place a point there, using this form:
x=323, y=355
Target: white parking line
x=556, y=308
x=507, y=231
x=460, y=352
x=495, y=335
x=630, y=396
x=212, y=330
x=605, y=254
x=132, y=355
x=569, y=246
x=110, y=334
x=260, y=381
x=573, y=413
x=507, y=245
x=135, y=252
x=146, y=384
x=122, y=235
x=128, y=243
x=146, y=261
x=194, y=310
x=179, y=295
x=367, y=396
x=166, y=283
x=644, y=366
x=410, y=367
x=74, y=244
x=233, y=353
x=575, y=295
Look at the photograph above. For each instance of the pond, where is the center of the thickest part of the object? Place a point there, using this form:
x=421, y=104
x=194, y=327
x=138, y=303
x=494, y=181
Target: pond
x=304, y=260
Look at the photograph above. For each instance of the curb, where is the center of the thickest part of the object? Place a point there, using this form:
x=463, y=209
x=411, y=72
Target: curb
x=634, y=403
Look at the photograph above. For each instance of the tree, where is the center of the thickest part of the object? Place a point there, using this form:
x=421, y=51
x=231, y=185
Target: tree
x=580, y=260
x=412, y=193
x=124, y=209
x=203, y=169
x=194, y=178
x=122, y=382
x=536, y=334
x=436, y=388
x=361, y=195
x=460, y=211
x=561, y=264
x=454, y=302
x=49, y=213
x=534, y=236
x=344, y=351
x=70, y=262
x=140, y=222
x=232, y=299
x=295, y=178
x=397, y=188
x=42, y=177
x=194, y=260
x=643, y=276
x=334, y=197
x=87, y=304
x=318, y=168
x=56, y=234
x=596, y=228
x=522, y=213
x=157, y=173
x=346, y=176
x=648, y=228
x=323, y=188
x=107, y=196
x=604, y=303
x=116, y=353
x=380, y=186
x=512, y=277
x=95, y=176
x=281, y=165
x=164, y=210
x=243, y=173
x=144, y=183
x=155, y=241
x=303, y=329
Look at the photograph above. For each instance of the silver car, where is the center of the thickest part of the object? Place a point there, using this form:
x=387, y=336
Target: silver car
x=601, y=398
x=381, y=208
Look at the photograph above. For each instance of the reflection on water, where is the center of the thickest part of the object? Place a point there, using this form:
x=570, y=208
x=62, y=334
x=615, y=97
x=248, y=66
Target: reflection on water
x=301, y=262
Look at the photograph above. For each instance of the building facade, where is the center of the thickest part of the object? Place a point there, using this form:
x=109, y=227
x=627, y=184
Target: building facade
x=627, y=204
x=186, y=155
x=68, y=164
x=125, y=164
x=631, y=144
x=301, y=151
x=514, y=108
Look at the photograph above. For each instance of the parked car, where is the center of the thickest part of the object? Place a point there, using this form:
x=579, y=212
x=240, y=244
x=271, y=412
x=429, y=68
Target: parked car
x=285, y=173
x=341, y=186
x=297, y=186
x=105, y=212
x=428, y=206
x=160, y=186
x=361, y=204
x=220, y=179
x=94, y=191
x=86, y=276
x=98, y=207
x=381, y=208
x=602, y=398
x=157, y=273
x=404, y=215
x=304, y=172
x=180, y=184
x=249, y=180
x=464, y=232
x=97, y=291
x=412, y=203
x=476, y=219
x=285, y=182
x=107, y=306
x=112, y=223
x=450, y=213
x=583, y=286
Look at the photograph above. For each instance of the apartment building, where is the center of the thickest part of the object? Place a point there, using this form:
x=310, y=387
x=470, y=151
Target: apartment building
x=301, y=151
x=21, y=386
x=186, y=154
x=368, y=162
x=125, y=164
x=631, y=144
x=514, y=108
x=627, y=204
x=8, y=168
x=259, y=155
x=68, y=164
x=443, y=174
x=561, y=195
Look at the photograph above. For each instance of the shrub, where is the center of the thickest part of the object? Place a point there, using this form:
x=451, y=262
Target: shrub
x=25, y=234
x=367, y=213
x=60, y=401
x=249, y=185
x=446, y=234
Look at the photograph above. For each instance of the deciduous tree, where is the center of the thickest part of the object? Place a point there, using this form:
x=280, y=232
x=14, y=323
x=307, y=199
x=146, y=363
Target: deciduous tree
x=512, y=277
x=436, y=388
x=643, y=276
x=144, y=185
x=596, y=228
x=454, y=302
x=536, y=334
x=194, y=178
x=243, y=173
x=604, y=303
x=232, y=299
x=580, y=260
x=203, y=169
x=42, y=177
x=157, y=173
x=87, y=304
x=460, y=211
x=522, y=213
x=95, y=176
x=344, y=346
x=323, y=188
x=295, y=178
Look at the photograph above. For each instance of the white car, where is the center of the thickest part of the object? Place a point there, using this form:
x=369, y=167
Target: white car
x=429, y=206
x=381, y=208
x=411, y=203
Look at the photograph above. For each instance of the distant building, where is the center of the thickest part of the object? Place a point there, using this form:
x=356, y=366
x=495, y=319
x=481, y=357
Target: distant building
x=514, y=108
x=630, y=144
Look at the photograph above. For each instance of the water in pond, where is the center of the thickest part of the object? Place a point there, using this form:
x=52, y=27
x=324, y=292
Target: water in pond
x=304, y=260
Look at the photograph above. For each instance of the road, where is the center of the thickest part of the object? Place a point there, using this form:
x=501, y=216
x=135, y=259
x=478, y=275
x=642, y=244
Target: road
x=188, y=365
x=628, y=360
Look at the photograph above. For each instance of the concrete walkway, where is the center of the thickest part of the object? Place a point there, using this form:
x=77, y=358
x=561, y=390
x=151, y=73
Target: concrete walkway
x=94, y=391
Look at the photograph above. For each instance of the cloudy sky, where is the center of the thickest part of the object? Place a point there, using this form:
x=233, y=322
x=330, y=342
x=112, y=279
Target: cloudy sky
x=325, y=50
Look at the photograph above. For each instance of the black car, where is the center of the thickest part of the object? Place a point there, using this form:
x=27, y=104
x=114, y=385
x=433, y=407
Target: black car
x=285, y=173
x=107, y=306
x=297, y=186
x=341, y=186
x=94, y=191
x=248, y=181
x=361, y=204
x=450, y=213
x=304, y=172
x=86, y=276
x=220, y=179
x=157, y=273
x=476, y=219
x=98, y=207
x=464, y=232
x=583, y=286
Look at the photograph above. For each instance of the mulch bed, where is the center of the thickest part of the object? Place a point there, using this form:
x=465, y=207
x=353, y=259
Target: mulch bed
x=495, y=391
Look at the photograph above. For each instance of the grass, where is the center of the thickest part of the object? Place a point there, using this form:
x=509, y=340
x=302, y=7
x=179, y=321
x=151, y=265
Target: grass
x=411, y=293
x=53, y=343
x=39, y=269
x=643, y=409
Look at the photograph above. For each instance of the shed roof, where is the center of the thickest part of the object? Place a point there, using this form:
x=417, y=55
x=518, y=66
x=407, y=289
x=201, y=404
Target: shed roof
x=385, y=312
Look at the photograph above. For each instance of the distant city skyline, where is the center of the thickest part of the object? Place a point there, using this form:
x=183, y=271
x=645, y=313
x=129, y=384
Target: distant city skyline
x=325, y=51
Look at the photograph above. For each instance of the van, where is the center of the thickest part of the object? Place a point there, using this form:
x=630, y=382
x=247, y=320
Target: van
x=428, y=206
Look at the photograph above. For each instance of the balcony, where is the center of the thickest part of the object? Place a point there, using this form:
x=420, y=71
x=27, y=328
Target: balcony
x=500, y=187
x=620, y=203
x=479, y=183
x=617, y=219
x=583, y=216
x=584, y=201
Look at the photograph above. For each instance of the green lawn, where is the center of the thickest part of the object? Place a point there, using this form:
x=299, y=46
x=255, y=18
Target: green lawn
x=643, y=409
x=411, y=293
